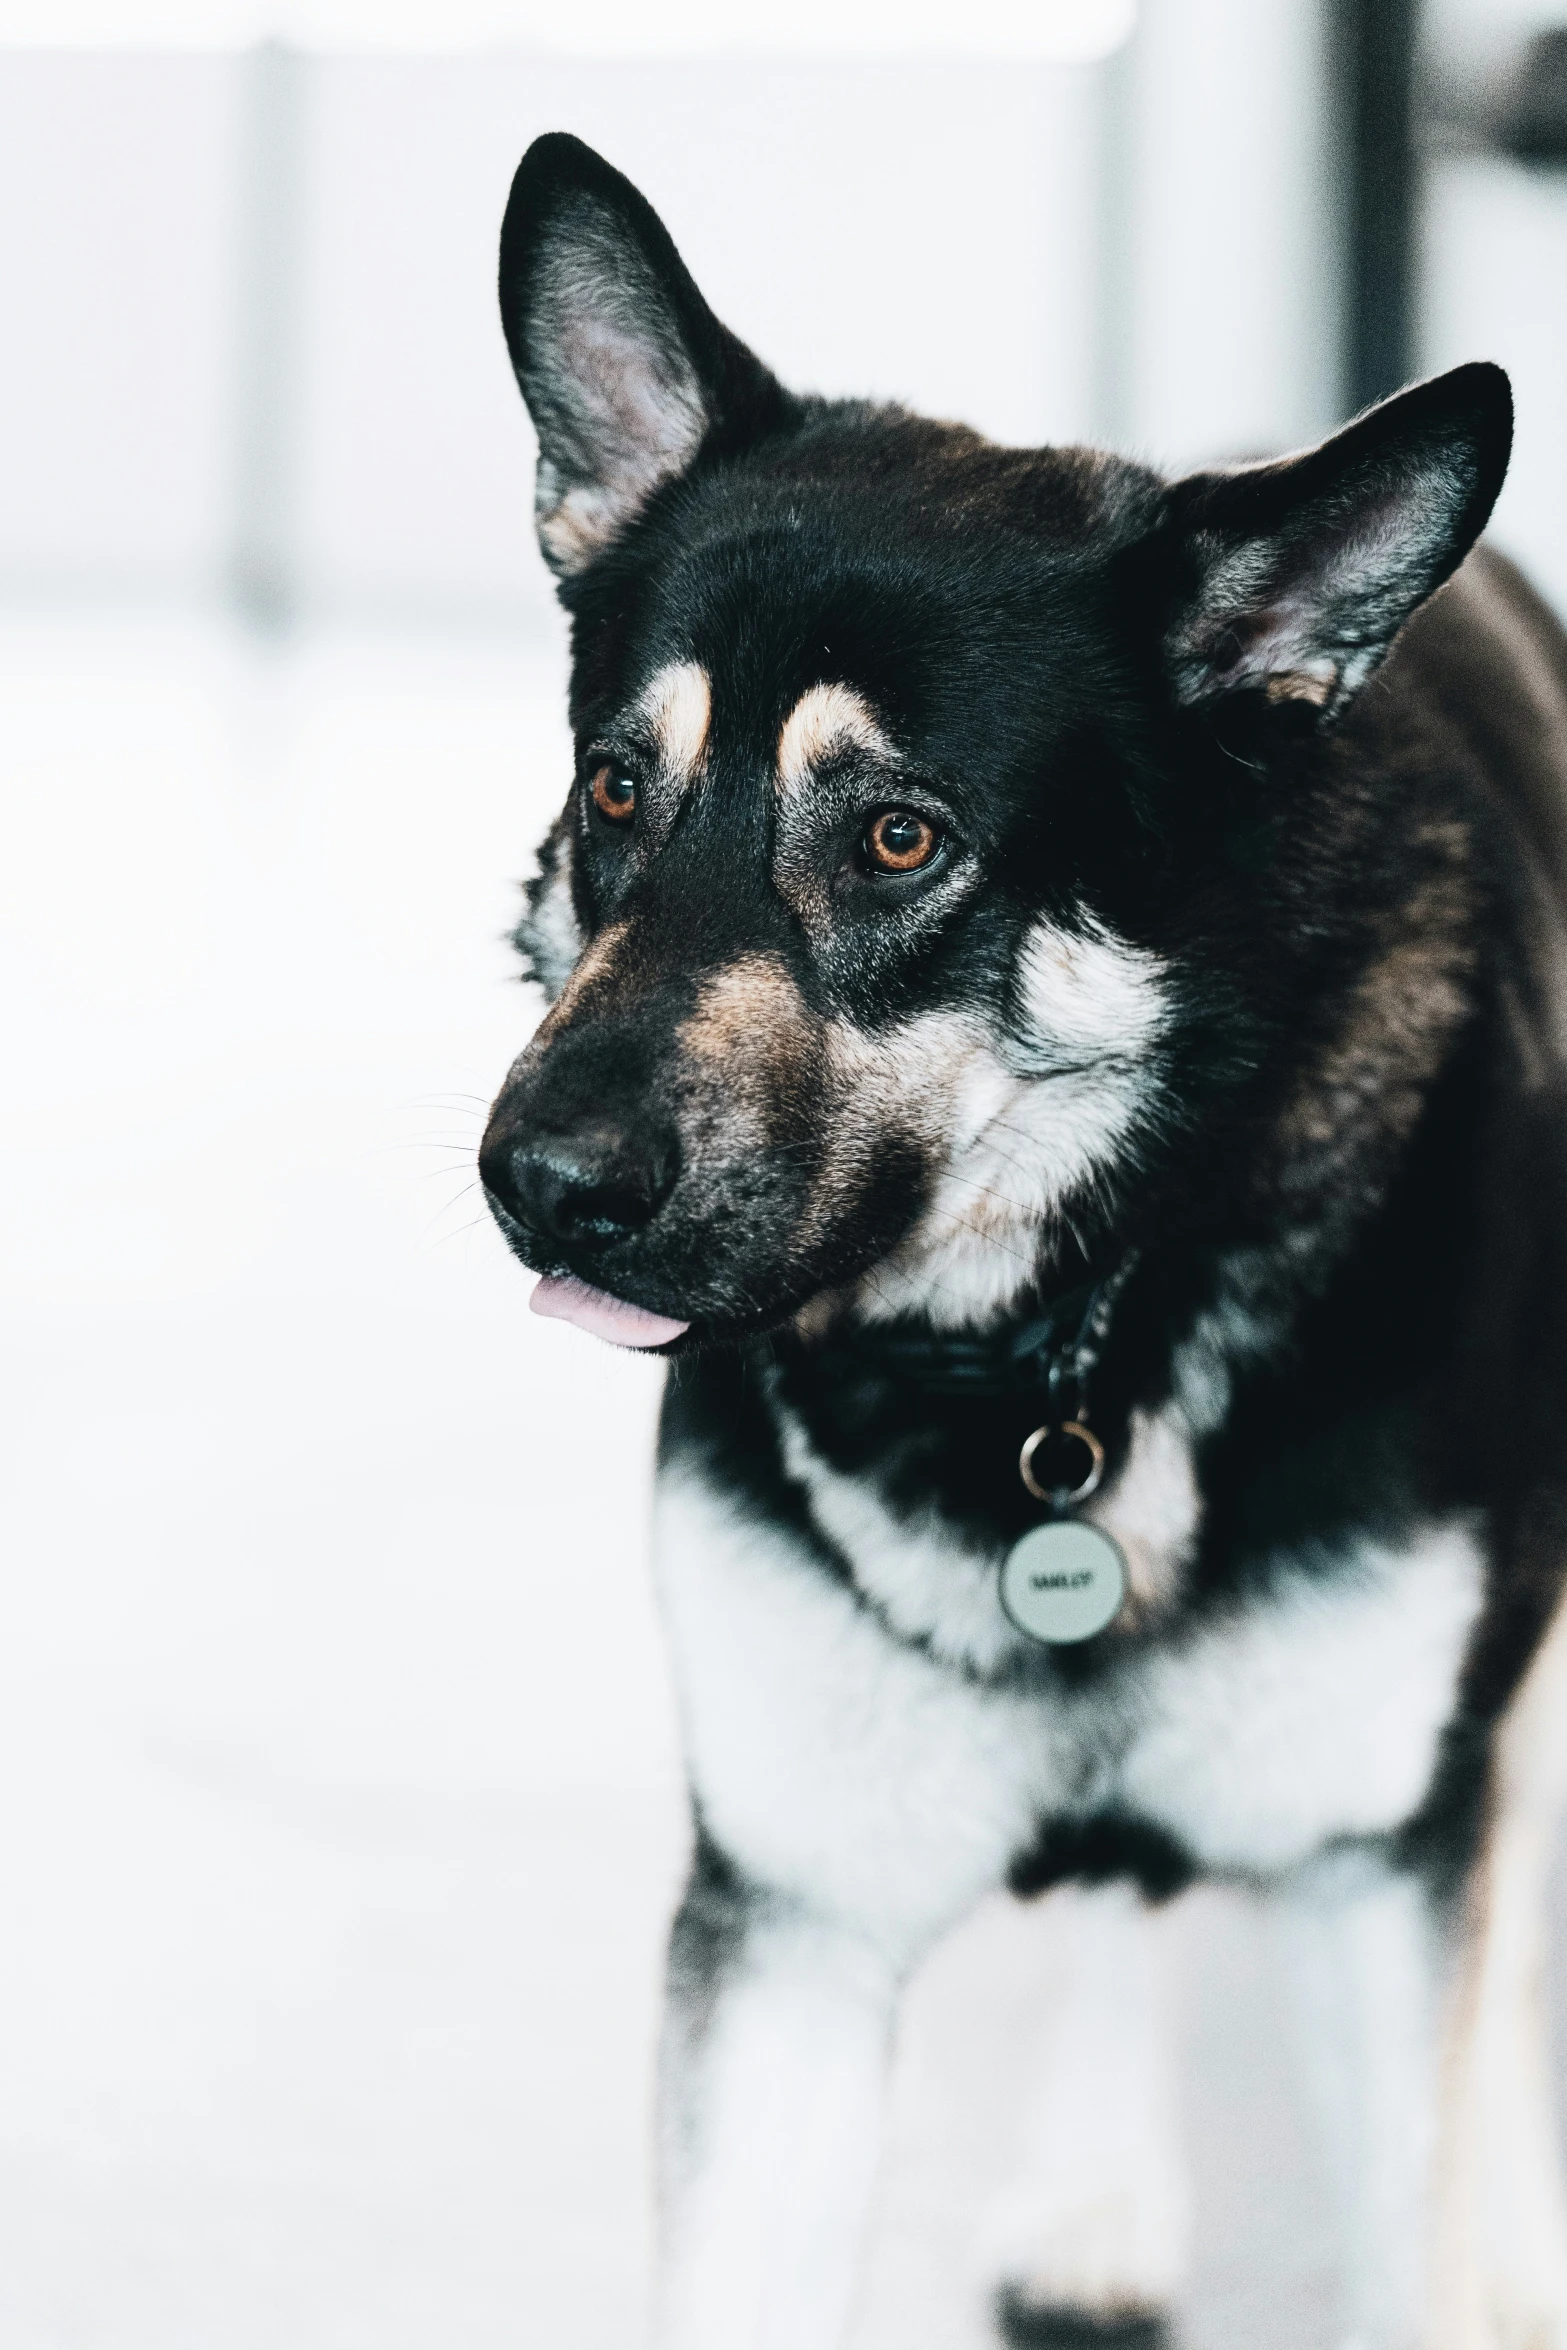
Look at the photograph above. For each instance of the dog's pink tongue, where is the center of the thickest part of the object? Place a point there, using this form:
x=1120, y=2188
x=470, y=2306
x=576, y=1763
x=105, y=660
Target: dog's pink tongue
x=561, y=1299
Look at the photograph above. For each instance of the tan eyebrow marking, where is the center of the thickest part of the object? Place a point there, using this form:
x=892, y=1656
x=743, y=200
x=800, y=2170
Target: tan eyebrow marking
x=824, y=717
x=677, y=704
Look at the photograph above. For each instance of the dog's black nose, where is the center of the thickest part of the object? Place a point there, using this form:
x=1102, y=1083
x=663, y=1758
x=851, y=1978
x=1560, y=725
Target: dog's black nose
x=592, y=1186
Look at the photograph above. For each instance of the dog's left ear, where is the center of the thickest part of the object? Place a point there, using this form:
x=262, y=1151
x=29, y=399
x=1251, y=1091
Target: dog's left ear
x=1292, y=579
x=626, y=372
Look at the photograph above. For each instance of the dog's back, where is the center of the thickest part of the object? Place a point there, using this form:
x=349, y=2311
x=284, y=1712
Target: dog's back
x=1490, y=656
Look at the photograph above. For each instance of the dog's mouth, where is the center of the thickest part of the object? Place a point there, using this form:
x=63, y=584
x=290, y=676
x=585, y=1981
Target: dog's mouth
x=561, y=1297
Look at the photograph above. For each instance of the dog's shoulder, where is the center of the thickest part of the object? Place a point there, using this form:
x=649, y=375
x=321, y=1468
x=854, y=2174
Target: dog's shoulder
x=1479, y=680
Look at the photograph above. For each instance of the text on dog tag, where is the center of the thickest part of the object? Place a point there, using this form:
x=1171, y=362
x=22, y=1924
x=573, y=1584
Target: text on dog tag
x=1063, y=1582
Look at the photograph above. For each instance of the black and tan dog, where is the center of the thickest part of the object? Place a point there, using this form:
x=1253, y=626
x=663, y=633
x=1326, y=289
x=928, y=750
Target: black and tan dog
x=1057, y=1031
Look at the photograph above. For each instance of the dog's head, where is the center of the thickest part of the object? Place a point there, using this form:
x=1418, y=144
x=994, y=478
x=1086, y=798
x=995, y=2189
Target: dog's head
x=903, y=915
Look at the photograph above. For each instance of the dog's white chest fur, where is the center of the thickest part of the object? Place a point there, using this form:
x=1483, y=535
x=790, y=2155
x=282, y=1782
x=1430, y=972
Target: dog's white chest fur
x=831, y=1757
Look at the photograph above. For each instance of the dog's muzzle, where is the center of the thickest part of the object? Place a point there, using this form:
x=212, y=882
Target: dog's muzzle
x=585, y=1188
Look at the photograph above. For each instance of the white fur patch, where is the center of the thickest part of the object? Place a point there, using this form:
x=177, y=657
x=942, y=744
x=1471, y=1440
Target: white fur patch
x=848, y=1764
x=1086, y=991
x=1019, y=1152
x=1027, y=1125
x=554, y=937
x=1312, y=1712
x=1153, y=1509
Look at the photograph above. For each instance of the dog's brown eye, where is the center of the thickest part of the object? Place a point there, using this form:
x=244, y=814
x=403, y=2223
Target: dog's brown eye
x=898, y=841
x=614, y=796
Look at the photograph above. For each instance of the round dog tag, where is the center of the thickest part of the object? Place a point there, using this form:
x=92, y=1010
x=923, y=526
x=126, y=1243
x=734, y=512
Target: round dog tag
x=1063, y=1582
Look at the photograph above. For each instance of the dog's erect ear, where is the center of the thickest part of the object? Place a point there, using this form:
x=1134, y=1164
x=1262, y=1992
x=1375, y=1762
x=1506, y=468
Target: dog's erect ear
x=626, y=372
x=1293, y=579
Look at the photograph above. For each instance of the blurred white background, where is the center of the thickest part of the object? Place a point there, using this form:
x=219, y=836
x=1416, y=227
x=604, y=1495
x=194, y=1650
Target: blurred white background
x=341, y=1813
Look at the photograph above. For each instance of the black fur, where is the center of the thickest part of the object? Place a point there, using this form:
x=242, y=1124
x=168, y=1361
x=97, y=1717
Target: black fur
x=1027, y=2327
x=1095, y=1850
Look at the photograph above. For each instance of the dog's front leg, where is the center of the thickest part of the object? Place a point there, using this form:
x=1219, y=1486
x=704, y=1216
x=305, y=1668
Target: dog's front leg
x=1092, y=2235
x=1430, y=2057
x=1500, y=2254
x=775, y=2040
x=1364, y=1953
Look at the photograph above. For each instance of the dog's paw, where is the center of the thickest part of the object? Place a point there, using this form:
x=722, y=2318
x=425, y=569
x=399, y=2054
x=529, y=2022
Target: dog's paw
x=1024, y=2324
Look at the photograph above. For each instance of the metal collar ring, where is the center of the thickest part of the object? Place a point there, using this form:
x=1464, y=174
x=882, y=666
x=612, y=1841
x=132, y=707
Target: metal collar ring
x=1063, y=1497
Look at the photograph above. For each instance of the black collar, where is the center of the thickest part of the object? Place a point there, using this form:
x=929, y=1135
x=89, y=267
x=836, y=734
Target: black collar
x=1051, y=1355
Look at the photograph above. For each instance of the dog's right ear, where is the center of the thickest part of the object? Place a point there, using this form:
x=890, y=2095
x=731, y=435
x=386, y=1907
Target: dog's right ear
x=626, y=372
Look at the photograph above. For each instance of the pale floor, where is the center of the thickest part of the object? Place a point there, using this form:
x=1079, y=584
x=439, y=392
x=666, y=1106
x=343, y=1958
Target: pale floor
x=342, y=1813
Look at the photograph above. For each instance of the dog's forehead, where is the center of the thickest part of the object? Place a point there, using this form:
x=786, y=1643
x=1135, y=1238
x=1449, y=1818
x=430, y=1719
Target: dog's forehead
x=770, y=672
x=761, y=652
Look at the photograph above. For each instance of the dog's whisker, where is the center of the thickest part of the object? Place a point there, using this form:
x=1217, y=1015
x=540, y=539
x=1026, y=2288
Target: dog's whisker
x=381, y=1150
